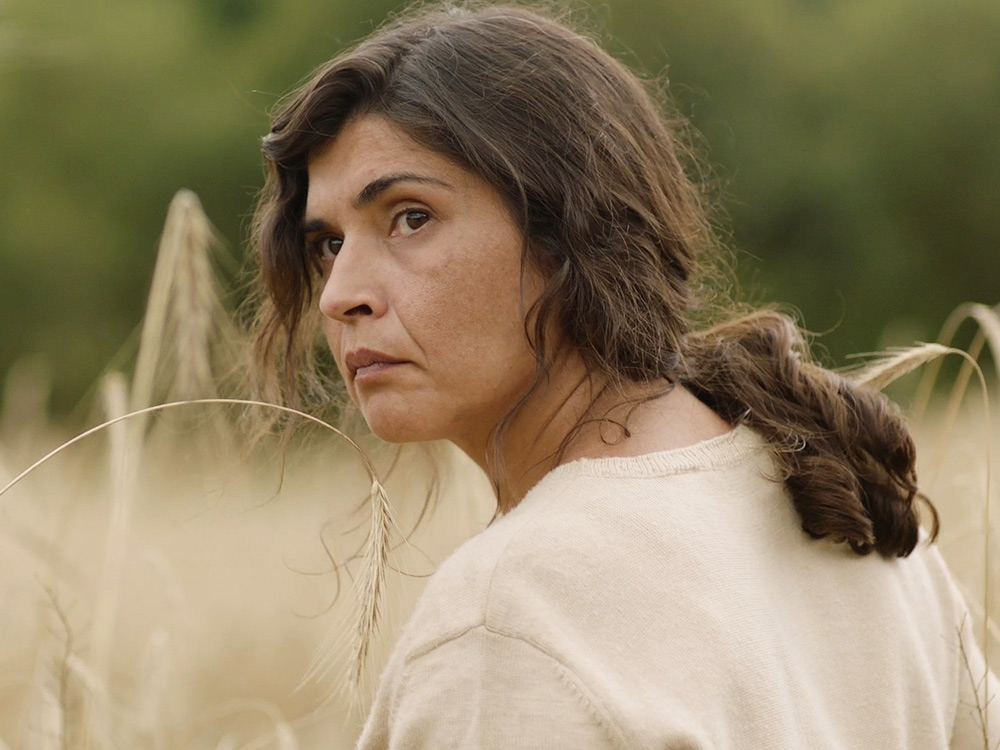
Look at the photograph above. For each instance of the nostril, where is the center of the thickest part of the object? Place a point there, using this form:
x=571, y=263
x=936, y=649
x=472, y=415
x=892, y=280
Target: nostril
x=359, y=310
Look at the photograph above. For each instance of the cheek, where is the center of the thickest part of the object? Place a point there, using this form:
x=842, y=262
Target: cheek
x=473, y=316
x=480, y=288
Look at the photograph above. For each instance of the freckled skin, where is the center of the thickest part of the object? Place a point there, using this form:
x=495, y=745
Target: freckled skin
x=430, y=273
x=442, y=292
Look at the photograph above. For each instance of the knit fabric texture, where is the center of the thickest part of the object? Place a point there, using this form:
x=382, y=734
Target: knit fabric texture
x=673, y=601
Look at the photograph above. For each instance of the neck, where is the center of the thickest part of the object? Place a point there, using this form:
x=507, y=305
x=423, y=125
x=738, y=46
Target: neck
x=571, y=415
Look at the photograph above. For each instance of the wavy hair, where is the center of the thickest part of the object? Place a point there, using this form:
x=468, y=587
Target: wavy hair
x=597, y=175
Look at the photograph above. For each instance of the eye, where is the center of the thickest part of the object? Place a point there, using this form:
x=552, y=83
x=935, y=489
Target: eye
x=410, y=220
x=326, y=247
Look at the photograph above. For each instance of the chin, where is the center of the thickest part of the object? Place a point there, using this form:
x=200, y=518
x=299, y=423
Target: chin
x=395, y=427
x=392, y=435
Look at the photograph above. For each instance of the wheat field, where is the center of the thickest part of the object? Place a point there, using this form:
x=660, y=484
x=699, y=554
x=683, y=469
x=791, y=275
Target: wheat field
x=163, y=585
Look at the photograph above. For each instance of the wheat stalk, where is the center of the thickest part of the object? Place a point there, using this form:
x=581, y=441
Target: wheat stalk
x=988, y=321
x=980, y=705
x=196, y=301
x=372, y=581
x=114, y=393
x=370, y=586
x=53, y=673
x=50, y=721
x=977, y=611
x=183, y=308
x=986, y=513
x=887, y=369
x=883, y=371
x=988, y=329
x=282, y=733
x=155, y=671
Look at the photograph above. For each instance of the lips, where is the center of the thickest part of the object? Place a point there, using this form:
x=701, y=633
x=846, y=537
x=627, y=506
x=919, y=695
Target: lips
x=368, y=360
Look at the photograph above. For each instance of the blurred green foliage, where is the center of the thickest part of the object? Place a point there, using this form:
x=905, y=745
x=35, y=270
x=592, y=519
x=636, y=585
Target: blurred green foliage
x=854, y=143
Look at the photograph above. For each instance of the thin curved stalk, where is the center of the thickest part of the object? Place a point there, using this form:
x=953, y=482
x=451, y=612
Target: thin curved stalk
x=989, y=329
x=371, y=583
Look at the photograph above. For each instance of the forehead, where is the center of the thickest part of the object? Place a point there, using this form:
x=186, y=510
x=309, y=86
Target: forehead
x=366, y=149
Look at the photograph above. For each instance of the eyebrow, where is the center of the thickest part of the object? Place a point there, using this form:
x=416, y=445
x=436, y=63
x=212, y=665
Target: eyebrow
x=373, y=190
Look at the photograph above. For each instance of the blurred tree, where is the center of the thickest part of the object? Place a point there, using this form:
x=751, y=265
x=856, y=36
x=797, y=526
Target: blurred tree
x=853, y=142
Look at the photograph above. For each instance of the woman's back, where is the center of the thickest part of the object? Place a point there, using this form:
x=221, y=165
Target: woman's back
x=673, y=601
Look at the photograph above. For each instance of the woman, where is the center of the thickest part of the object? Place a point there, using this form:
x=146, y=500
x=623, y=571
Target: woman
x=493, y=220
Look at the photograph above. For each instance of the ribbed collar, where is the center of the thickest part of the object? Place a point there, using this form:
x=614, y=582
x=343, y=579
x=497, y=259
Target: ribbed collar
x=713, y=453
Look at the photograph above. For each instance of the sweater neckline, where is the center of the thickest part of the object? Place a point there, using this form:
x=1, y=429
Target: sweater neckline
x=706, y=455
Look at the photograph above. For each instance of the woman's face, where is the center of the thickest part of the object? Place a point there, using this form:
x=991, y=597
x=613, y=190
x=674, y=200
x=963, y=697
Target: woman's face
x=422, y=298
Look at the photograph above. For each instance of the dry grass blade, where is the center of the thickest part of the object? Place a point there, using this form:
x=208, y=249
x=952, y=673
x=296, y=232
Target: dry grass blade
x=979, y=614
x=372, y=581
x=980, y=704
x=155, y=672
x=989, y=329
x=49, y=723
x=974, y=366
x=369, y=588
x=97, y=699
x=154, y=323
x=123, y=472
x=195, y=302
x=286, y=737
x=183, y=311
x=183, y=314
x=114, y=396
x=140, y=413
x=882, y=372
x=52, y=679
x=281, y=733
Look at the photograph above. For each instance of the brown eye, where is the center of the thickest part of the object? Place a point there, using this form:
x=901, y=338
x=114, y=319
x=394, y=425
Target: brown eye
x=410, y=221
x=328, y=247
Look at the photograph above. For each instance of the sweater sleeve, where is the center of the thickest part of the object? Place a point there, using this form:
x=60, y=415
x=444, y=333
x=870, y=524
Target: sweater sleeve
x=487, y=690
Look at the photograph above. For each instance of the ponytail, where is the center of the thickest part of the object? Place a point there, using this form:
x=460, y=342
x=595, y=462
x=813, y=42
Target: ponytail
x=844, y=452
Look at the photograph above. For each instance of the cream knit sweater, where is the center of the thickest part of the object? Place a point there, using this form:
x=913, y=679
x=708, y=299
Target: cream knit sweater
x=672, y=601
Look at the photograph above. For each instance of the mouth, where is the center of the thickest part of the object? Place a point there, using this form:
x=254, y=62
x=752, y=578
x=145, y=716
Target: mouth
x=365, y=362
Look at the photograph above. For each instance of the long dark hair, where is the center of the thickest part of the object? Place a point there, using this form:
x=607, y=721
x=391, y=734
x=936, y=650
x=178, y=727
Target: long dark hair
x=597, y=176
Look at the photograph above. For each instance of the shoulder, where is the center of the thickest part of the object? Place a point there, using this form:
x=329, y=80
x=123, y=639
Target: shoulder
x=456, y=596
x=465, y=663
x=602, y=535
x=597, y=576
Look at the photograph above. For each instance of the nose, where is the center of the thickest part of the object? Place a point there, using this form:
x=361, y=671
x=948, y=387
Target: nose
x=351, y=289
